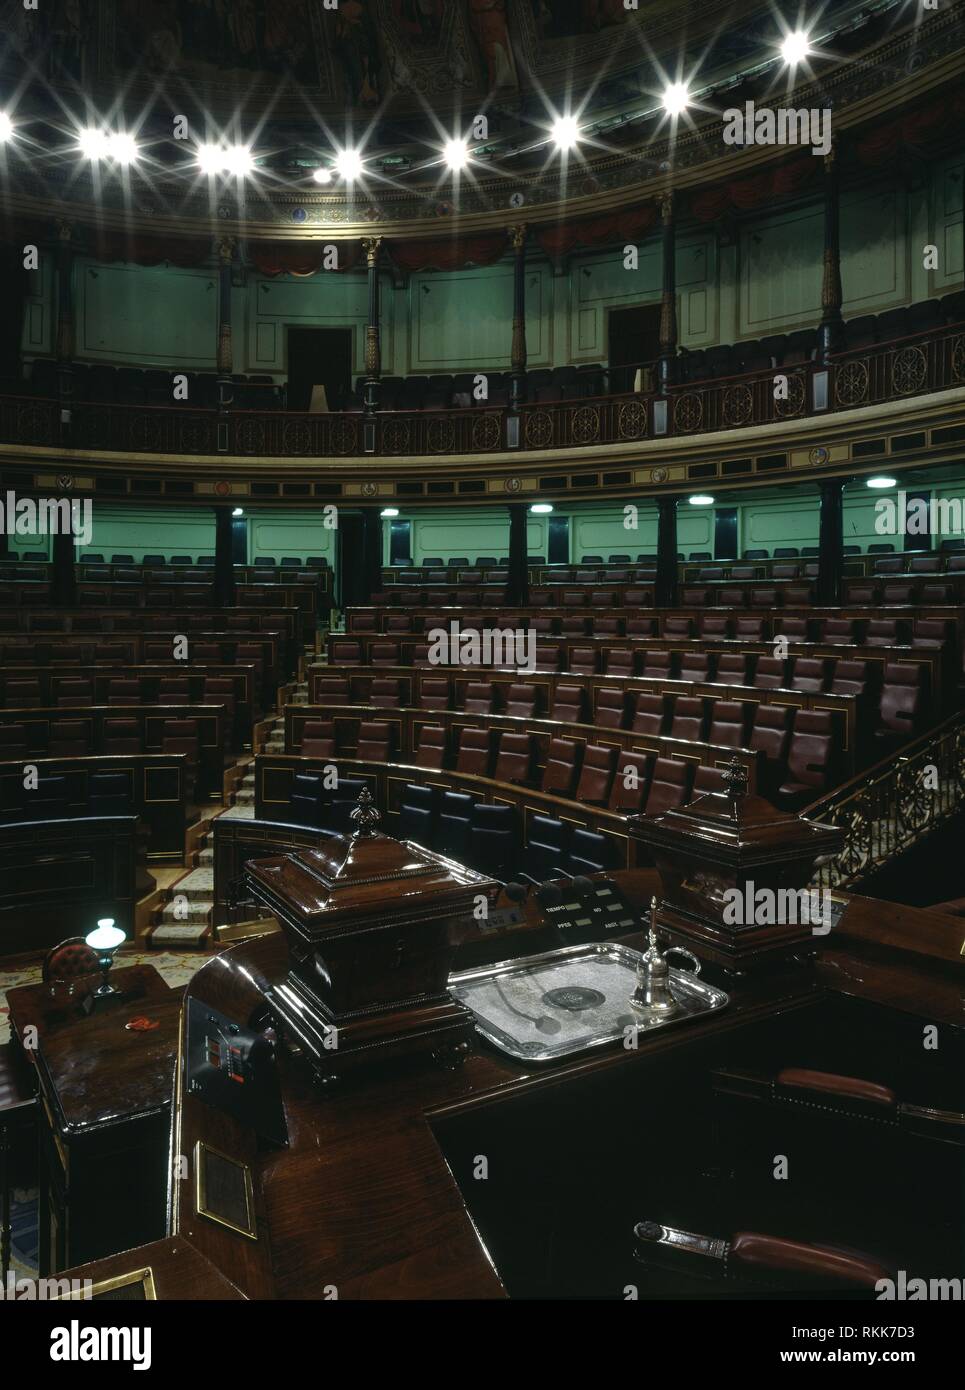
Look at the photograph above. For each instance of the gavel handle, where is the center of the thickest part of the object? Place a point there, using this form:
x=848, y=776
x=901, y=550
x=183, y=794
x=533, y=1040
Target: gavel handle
x=754, y=1251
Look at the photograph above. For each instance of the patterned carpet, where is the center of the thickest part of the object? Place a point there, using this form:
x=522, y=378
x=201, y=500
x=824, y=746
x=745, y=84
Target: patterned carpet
x=176, y=967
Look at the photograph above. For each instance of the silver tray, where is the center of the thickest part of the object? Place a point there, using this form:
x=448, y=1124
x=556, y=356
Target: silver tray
x=540, y=1008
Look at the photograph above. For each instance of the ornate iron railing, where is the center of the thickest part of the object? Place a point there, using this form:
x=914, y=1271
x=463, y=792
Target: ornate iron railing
x=894, y=371
x=889, y=808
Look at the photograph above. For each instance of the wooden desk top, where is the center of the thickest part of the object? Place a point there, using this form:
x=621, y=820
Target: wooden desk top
x=94, y=1069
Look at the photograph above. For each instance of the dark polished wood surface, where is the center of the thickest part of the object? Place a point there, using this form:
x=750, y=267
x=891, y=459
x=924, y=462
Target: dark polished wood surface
x=364, y=1200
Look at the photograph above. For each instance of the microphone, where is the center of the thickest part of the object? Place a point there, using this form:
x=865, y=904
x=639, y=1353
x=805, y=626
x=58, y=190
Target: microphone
x=517, y=892
x=548, y=895
x=583, y=884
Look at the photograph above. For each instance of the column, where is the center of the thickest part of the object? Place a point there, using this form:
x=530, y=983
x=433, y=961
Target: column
x=831, y=330
x=518, y=354
x=65, y=322
x=372, y=551
x=831, y=541
x=224, y=569
x=517, y=590
x=373, y=342
x=666, y=589
x=225, y=351
x=667, y=361
x=63, y=586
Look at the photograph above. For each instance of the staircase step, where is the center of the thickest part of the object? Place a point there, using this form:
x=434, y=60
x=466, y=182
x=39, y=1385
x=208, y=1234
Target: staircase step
x=180, y=934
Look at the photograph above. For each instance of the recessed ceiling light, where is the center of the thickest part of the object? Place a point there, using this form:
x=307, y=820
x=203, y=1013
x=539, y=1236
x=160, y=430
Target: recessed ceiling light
x=389, y=511
x=456, y=153
x=6, y=127
x=349, y=164
x=565, y=132
x=676, y=98
x=701, y=499
x=795, y=48
x=211, y=158
x=880, y=482
x=237, y=160
x=238, y=511
x=122, y=148
x=93, y=144
x=541, y=507
x=322, y=175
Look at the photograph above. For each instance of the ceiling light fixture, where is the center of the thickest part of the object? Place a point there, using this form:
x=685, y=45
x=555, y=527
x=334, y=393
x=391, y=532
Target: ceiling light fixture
x=6, y=127
x=237, y=160
x=456, y=154
x=701, y=499
x=122, y=148
x=238, y=511
x=881, y=482
x=389, y=511
x=541, y=507
x=322, y=175
x=565, y=132
x=210, y=158
x=795, y=48
x=676, y=98
x=349, y=164
x=93, y=144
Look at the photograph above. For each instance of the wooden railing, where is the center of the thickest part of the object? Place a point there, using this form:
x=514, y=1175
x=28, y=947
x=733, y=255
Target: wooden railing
x=912, y=366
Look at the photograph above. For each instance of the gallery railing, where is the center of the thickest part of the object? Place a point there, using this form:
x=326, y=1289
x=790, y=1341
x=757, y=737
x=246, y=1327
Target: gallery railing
x=913, y=366
x=890, y=807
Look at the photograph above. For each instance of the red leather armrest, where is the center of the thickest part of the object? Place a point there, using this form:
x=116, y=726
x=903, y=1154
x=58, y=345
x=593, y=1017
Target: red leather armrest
x=846, y=1087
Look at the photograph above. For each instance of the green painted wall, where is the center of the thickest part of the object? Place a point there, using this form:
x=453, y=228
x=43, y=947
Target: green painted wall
x=767, y=279
x=140, y=531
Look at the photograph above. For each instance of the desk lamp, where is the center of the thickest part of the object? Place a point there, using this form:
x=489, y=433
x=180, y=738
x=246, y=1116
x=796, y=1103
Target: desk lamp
x=105, y=941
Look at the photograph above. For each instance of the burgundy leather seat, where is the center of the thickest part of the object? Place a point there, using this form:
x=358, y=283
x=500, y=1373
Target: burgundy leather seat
x=568, y=704
x=770, y=673
x=174, y=690
x=902, y=700
x=74, y=693
x=69, y=738
x=882, y=632
x=596, y=775
x=695, y=666
x=121, y=737
x=562, y=761
x=620, y=661
x=333, y=690
x=631, y=783
x=521, y=700
x=749, y=629
x=547, y=656
x=431, y=750
x=669, y=786
x=808, y=757
x=688, y=719
x=610, y=709
x=473, y=755
x=769, y=732
x=385, y=693
x=384, y=653
x=514, y=759
x=657, y=664
x=344, y=651
x=807, y=674
x=677, y=627
x=433, y=693
x=731, y=669
x=375, y=741
x=318, y=738
x=850, y=678
x=648, y=717
x=13, y=741
x=727, y=724
x=479, y=697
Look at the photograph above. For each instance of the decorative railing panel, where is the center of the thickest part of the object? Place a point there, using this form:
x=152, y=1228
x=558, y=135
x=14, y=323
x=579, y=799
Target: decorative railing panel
x=888, y=809
x=885, y=372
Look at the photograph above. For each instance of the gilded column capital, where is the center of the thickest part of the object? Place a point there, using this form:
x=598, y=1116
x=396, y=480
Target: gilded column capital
x=225, y=247
x=371, y=246
x=517, y=236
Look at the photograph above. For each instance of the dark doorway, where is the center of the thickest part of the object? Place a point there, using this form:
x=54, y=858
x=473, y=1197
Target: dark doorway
x=349, y=543
x=400, y=543
x=558, y=543
x=725, y=533
x=319, y=357
x=634, y=341
x=239, y=541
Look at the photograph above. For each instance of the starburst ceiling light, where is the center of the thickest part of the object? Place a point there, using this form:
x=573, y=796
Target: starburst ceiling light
x=565, y=132
x=322, y=175
x=93, y=144
x=456, y=153
x=795, y=48
x=349, y=164
x=676, y=98
x=6, y=127
x=122, y=147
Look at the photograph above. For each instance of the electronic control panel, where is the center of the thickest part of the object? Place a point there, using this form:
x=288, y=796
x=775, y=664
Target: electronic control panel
x=585, y=909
